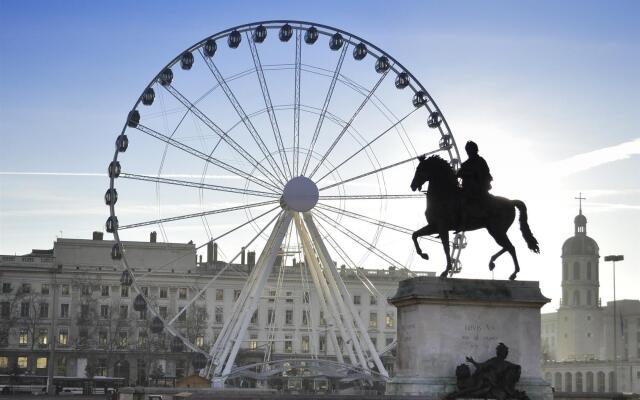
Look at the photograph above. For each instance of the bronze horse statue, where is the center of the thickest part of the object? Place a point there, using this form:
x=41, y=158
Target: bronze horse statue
x=444, y=207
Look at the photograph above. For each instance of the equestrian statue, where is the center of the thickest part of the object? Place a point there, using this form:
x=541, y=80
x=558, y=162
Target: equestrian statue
x=467, y=207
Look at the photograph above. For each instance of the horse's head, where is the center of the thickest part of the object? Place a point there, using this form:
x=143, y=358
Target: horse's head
x=421, y=175
x=435, y=170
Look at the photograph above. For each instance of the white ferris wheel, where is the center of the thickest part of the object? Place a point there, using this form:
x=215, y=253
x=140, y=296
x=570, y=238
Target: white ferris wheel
x=292, y=138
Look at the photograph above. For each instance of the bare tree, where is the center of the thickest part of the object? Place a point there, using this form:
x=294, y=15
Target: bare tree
x=27, y=315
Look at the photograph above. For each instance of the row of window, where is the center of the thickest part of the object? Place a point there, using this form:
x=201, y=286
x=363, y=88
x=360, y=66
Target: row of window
x=564, y=383
x=576, y=300
x=288, y=297
x=389, y=320
x=87, y=290
x=41, y=310
x=163, y=293
x=577, y=271
x=120, y=339
x=23, y=362
x=105, y=313
x=305, y=343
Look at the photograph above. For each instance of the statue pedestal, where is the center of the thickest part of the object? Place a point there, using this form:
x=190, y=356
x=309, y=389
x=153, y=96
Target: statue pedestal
x=442, y=321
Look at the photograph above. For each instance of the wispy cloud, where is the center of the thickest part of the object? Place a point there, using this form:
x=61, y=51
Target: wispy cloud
x=595, y=158
x=104, y=174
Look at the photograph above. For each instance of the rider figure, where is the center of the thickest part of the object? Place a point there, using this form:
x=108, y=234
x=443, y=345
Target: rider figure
x=476, y=183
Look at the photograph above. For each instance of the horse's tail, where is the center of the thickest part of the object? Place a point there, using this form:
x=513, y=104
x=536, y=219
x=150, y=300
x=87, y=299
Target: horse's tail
x=532, y=242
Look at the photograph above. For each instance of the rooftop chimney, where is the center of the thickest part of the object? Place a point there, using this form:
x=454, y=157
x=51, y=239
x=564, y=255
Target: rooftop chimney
x=97, y=235
x=209, y=252
x=242, y=256
x=251, y=260
x=215, y=252
x=153, y=236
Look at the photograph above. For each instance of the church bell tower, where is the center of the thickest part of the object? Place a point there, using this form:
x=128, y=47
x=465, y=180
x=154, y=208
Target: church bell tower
x=578, y=324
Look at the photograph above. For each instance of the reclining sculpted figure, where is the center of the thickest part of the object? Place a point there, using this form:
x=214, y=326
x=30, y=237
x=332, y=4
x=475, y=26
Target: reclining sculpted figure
x=495, y=378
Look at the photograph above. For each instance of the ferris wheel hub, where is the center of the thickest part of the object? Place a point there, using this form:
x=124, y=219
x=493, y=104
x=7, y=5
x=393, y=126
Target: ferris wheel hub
x=300, y=194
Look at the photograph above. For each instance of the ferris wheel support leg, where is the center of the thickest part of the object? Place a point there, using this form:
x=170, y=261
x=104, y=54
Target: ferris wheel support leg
x=231, y=324
x=265, y=265
x=351, y=340
x=314, y=271
x=336, y=313
x=313, y=230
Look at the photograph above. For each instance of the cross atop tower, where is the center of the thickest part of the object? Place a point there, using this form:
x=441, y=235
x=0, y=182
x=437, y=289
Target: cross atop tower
x=580, y=198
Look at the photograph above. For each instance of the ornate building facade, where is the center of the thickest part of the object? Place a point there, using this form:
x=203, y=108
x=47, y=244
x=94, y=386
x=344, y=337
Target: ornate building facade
x=577, y=340
x=67, y=308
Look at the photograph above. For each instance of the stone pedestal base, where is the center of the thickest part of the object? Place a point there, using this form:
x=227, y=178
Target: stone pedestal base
x=443, y=321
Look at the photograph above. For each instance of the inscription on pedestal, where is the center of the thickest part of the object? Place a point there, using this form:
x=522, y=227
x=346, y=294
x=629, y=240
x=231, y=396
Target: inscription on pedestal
x=476, y=333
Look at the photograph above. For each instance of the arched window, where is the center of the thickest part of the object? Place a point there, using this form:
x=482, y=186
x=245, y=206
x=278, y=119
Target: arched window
x=579, y=382
x=589, y=271
x=612, y=382
x=590, y=382
x=601, y=384
x=568, y=387
x=558, y=381
x=589, y=297
x=576, y=298
x=565, y=271
x=576, y=270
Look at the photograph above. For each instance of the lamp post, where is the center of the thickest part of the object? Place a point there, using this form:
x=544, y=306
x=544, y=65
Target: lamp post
x=613, y=259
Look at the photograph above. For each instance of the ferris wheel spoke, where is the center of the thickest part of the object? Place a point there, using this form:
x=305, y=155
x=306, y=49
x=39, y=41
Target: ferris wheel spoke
x=243, y=116
x=348, y=124
x=211, y=241
x=327, y=100
x=375, y=171
x=345, y=256
x=373, y=221
x=361, y=217
x=296, y=103
x=227, y=265
x=196, y=215
x=221, y=133
x=368, y=144
x=198, y=185
x=359, y=240
x=221, y=164
x=372, y=196
x=267, y=102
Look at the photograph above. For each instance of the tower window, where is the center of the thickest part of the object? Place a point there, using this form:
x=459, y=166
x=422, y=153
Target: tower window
x=576, y=270
x=588, y=271
x=576, y=298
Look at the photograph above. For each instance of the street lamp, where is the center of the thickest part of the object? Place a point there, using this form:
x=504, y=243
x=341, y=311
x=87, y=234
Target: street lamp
x=613, y=259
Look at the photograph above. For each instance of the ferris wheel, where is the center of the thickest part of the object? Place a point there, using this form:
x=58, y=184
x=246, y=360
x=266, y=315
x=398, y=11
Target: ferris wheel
x=292, y=138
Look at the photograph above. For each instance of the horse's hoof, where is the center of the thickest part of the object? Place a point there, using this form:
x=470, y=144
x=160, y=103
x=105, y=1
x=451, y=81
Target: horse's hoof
x=513, y=277
x=492, y=265
x=444, y=275
x=425, y=256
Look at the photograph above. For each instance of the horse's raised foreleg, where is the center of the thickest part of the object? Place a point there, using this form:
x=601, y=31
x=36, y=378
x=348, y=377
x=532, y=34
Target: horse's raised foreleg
x=494, y=257
x=444, y=237
x=424, y=231
x=503, y=240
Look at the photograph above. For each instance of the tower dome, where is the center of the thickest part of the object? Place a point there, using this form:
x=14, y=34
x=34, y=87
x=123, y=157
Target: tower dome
x=580, y=243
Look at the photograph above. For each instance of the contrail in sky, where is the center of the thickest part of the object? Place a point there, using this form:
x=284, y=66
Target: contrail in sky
x=595, y=158
x=104, y=175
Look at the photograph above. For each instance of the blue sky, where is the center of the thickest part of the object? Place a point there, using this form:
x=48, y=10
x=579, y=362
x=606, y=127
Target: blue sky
x=548, y=86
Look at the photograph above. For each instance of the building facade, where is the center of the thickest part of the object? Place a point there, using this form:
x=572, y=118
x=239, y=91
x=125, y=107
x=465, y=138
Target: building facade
x=69, y=307
x=578, y=339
